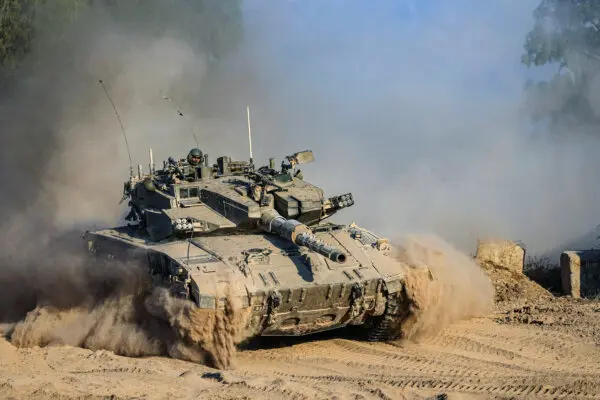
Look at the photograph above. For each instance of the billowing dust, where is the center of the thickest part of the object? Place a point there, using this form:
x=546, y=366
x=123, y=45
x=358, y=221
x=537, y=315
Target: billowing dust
x=67, y=301
x=130, y=317
x=444, y=286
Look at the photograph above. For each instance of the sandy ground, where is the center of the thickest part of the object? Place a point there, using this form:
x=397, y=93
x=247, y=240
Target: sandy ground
x=546, y=349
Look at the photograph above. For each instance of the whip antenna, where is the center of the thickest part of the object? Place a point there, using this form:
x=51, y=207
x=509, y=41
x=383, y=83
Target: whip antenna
x=120, y=123
x=249, y=133
x=174, y=107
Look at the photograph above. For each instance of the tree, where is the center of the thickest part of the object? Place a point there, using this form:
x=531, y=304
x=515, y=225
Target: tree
x=22, y=20
x=565, y=33
x=16, y=30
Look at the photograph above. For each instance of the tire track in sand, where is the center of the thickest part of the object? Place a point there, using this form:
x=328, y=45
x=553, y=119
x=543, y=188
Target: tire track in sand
x=476, y=357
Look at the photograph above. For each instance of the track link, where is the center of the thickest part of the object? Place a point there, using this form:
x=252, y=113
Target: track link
x=387, y=326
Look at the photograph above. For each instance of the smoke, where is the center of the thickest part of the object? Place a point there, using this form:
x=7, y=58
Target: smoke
x=418, y=111
x=63, y=144
x=63, y=162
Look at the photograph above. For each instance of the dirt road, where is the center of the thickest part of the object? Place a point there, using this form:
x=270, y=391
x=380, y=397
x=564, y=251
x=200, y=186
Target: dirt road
x=499, y=356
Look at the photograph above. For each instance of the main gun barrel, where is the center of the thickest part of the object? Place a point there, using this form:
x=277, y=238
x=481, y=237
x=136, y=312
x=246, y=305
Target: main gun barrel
x=298, y=233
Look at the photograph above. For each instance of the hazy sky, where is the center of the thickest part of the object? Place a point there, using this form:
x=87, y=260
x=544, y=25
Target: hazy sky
x=472, y=45
x=418, y=103
x=413, y=106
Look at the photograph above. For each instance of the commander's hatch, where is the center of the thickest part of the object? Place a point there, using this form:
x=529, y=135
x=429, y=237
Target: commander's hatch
x=302, y=157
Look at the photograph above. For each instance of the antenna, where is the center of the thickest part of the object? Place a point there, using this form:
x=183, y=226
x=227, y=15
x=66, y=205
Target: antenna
x=249, y=133
x=120, y=123
x=174, y=107
x=151, y=165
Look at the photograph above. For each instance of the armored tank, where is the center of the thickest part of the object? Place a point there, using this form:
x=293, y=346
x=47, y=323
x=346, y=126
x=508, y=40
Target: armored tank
x=212, y=232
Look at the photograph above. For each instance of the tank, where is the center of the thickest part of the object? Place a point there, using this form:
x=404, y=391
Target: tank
x=209, y=233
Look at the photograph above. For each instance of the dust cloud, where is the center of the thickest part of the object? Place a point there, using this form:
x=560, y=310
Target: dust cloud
x=443, y=287
x=118, y=309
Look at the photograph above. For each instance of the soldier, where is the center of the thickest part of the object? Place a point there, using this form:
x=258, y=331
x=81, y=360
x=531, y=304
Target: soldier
x=194, y=157
x=181, y=171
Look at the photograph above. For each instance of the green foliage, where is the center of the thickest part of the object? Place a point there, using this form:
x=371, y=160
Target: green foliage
x=16, y=30
x=565, y=33
x=562, y=27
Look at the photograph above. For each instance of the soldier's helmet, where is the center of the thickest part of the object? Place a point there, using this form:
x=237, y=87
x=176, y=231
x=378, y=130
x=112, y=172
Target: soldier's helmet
x=195, y=157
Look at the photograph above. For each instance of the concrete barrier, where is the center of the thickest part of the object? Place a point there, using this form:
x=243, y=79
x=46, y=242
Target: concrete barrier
x=580, y=273
x=505, y=253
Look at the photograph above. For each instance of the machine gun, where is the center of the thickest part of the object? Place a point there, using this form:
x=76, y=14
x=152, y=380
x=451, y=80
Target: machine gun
x=261, y=178
x=172, y=168
x=267, y=175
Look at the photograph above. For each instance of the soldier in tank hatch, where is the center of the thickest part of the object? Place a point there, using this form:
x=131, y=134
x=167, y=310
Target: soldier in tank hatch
x=195, y=157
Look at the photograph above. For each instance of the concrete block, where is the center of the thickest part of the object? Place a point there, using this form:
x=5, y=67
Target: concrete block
x=505, y=253
x=580, y=273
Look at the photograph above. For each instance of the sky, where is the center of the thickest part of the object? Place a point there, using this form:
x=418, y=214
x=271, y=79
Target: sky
x=470, y=44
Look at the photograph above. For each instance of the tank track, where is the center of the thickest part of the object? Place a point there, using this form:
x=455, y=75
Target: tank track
x=386, y=326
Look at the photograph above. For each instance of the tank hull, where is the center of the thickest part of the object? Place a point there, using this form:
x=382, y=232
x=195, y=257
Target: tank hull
x=287, y=289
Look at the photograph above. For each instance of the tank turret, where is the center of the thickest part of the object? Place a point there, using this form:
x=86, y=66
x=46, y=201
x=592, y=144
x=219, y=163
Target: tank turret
x=182, y=200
